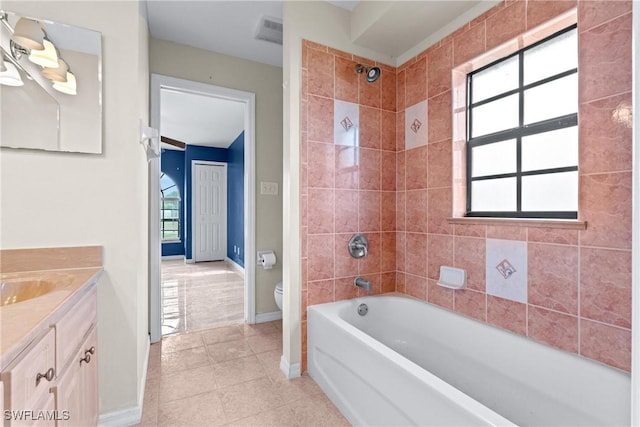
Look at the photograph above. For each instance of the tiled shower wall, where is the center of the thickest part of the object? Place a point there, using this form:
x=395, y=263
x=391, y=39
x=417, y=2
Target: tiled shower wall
x=579, y=281
x=347, y=184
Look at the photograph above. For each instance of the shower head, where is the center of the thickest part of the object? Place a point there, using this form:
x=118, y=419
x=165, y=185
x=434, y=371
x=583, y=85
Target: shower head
x=372, y=72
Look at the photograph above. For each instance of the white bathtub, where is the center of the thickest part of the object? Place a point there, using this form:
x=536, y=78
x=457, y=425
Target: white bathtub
x=407, y=362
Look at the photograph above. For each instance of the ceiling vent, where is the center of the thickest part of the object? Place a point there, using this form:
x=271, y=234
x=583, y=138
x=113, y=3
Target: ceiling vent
x=270, y=29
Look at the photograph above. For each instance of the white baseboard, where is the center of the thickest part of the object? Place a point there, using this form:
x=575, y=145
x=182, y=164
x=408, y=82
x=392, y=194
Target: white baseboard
x=290, y=370
x=170, y=257
x=235, y=265
x=268, y=317
x=189, y=261
x=133, y=415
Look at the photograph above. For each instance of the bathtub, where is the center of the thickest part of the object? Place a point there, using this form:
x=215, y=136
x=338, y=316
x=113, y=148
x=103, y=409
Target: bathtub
x=407, y=362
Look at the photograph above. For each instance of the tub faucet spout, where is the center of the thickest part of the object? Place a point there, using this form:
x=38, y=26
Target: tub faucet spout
x=362, y=283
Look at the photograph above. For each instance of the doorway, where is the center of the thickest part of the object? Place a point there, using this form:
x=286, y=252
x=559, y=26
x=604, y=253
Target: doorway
x=161, y=83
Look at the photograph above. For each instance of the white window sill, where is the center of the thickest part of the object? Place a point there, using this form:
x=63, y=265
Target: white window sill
x=570, y=224
x=172, y=241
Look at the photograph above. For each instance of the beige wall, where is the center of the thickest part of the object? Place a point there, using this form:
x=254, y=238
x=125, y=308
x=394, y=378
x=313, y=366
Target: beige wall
x=61, y=199
x=175, y=60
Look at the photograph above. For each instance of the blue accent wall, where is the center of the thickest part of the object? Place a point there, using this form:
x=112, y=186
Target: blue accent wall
x=196, y=152
x=172, y=164
x=235, y=200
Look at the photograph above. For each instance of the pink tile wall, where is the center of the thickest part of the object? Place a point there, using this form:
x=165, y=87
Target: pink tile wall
x=346, y=189
x=579, y=281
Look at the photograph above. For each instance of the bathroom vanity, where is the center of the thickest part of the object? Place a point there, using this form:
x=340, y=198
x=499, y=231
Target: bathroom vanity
x=48, y=338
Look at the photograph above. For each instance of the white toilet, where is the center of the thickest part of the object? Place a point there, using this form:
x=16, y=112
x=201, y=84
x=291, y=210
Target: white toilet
x=277, y=294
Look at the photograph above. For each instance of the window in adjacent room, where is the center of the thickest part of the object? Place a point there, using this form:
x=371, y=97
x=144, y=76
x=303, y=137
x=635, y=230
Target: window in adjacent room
x=522, y=132
x=170, y=210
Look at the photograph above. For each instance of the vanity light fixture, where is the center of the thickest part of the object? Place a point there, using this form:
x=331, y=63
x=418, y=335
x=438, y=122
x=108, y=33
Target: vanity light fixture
x=69, y=86
x=10, y=77
x=47, y=57
x=58, y=74
x=29, y=34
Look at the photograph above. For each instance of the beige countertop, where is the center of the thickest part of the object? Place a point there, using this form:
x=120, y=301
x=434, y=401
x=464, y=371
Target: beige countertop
x=23, y=322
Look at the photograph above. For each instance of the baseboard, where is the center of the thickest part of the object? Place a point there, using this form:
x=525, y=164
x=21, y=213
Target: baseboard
x=171, y=257
x=268, y=317
x=235, y=265
x=289, y=370
x=189, y=261
x=133, y=415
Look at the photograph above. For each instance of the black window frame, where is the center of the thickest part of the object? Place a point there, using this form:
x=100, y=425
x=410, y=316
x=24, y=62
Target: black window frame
x=517, y=133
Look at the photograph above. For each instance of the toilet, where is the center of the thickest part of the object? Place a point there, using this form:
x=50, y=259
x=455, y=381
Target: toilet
x=277, y=294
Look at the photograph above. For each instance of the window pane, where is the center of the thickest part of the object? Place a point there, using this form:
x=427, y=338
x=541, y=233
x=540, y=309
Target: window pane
x=494, y=159
x=495, y=116
x=548, y=150
x=552, y=192
x=553, y=99
x=495, y=80
x=552, y=57
x=493, y=195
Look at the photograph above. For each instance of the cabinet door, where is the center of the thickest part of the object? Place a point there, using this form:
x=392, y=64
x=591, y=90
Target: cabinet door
x=89, y=378
x=27, y=382
x=77, y=389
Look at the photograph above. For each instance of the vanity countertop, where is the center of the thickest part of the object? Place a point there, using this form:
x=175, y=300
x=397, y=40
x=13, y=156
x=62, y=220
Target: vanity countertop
x=23, y=322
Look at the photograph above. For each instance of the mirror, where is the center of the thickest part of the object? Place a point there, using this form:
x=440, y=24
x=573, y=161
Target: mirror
x=46, y=107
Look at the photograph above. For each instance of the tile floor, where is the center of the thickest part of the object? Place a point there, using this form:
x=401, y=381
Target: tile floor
x=230, y=376
x=201, y=295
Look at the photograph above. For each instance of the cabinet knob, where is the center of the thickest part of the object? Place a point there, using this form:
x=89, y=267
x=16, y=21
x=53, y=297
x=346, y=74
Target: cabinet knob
x=92, y=350
x=87, y=358
x=47, y=375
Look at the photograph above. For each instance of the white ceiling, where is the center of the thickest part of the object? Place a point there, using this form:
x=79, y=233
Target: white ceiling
x=200, y=120
x=229, y=27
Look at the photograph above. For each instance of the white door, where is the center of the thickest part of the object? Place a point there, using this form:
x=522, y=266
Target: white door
x=210, y=211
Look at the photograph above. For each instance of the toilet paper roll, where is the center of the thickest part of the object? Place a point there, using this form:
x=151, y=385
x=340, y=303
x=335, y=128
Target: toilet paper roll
x=268, y=261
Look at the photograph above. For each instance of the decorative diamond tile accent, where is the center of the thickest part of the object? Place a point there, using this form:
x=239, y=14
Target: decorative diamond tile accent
x=415, y=126
x=506, y=269
x=346, y=123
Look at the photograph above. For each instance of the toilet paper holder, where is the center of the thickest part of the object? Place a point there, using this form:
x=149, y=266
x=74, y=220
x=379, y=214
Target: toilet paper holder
x=267, y=259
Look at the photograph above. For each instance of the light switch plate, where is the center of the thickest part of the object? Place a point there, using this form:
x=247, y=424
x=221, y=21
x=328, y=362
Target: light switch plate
x=269, y=188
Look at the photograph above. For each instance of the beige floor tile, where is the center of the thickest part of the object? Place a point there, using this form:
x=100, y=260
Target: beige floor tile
x=183, y=341
x=185, y=359
x=262, y=343
x=273, y=418
x=238, y=370
x=249, y=398
x=150, y=404
x=187, y=383
x=317, y=411
x=270, y=361
x=259, y=328
x=296, y=388
x=229, y=350
x=226, y=333
x=201, y=410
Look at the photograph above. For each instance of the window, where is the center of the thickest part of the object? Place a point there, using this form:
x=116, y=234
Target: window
x=522, y=133
x=170, y=210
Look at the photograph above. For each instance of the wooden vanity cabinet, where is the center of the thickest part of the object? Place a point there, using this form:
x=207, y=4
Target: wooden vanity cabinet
x=56, y=376
x=76, y=390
